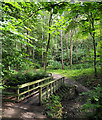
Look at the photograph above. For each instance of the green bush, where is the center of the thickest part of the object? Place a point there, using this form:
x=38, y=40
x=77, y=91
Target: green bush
x=81, y=66
x=55, y=64
x=94, y=102
x=53, y=107
x=21, y=78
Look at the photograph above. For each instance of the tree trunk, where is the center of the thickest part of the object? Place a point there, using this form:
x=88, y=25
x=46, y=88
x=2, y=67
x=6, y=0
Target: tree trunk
x=101, y=51
x=67, y=45
x=33, y=53
x=27, y=45
x=42, y=62
x=94, y=54
x=94, y=45
x=70, y=49
x=42, y=47
x=48, y=40
x=42, y=57
x=62, y=50
x=76, y=46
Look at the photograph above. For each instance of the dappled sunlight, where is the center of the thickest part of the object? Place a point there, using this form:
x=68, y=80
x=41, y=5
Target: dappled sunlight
x=50, y=48
x=22, y=107
x=27, y=115
x=10, y=112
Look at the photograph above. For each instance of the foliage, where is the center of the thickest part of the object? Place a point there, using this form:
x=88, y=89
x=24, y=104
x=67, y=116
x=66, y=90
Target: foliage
x=24, y=77
x=53, y=107
x=94, y=102
x=81, y=66
x=54, y=64
x=75, y=73
x=25, y=29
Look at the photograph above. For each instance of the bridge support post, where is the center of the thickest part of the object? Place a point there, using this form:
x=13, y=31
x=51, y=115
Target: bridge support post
x=18, y=93
x=40, y=95
x=54, y=87
x=63, y=80
x=51, y=88
x=47, y=91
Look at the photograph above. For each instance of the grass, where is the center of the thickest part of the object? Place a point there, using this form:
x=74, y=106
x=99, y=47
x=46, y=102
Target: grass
x=84, y=76
x=73, y=73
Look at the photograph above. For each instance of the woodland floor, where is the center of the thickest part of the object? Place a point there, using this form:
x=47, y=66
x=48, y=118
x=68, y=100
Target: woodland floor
x=30, y=109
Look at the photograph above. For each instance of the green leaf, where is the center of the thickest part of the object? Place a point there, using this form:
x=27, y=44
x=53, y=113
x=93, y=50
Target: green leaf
x=60, y=11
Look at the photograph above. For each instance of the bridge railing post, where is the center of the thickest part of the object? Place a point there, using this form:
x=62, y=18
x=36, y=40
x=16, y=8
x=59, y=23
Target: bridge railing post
x=63, y=80
x=47, y=90
x=18, y=93
x=51, y=88
x=54, y=87
x=40, y=95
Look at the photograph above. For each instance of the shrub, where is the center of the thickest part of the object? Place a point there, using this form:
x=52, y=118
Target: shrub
x=94, y=102
x=21, y=78
x=53, y=107
x=81, y=66
x=54, y=64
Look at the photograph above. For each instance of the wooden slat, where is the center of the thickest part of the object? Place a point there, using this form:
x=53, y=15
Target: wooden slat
x=40, y=95
x=18, y=94
x=28, y=90
x=8, y=93
x=54, y=85
x=31, y=83
x=38, y=82
x=49, y=91
x=49, y=83
x=11, y=87
x=26, y=96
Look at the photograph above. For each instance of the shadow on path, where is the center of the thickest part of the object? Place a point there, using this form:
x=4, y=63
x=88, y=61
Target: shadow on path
x=29, y=109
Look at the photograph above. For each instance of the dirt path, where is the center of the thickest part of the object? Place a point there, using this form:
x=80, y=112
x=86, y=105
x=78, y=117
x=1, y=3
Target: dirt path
x=72, y=102
x=30, y=109
x=27, y=109
x=70, y=82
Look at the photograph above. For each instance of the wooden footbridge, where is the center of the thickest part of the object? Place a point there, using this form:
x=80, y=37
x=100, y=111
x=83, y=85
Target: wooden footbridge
x=42, y=88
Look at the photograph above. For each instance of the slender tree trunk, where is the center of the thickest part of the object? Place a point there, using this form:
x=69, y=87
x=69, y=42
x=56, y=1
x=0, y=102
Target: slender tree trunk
x=27, y=45
x=67, y=45
x=94, y=44
x=101, y=51
x=48, y=40
x=42, y=40
x=94, y=54
x=42, y=57
x=62, y=50
x=71, y=49
x=33, y=53
x=42, y=47
x=76, y=46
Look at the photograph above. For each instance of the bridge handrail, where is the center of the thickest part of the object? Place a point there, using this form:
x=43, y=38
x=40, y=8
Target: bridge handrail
x=38, y=82
x=34, y=82
x=31, y=86
x=50, y=87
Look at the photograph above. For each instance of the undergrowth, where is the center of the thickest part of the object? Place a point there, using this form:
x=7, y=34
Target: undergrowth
x=93, y=103
x=24, y=77
x=53, y=107
x=74, y=73
x=84, y=76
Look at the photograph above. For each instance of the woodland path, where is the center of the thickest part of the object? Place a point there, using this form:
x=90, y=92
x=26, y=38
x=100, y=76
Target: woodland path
x=30, y=109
